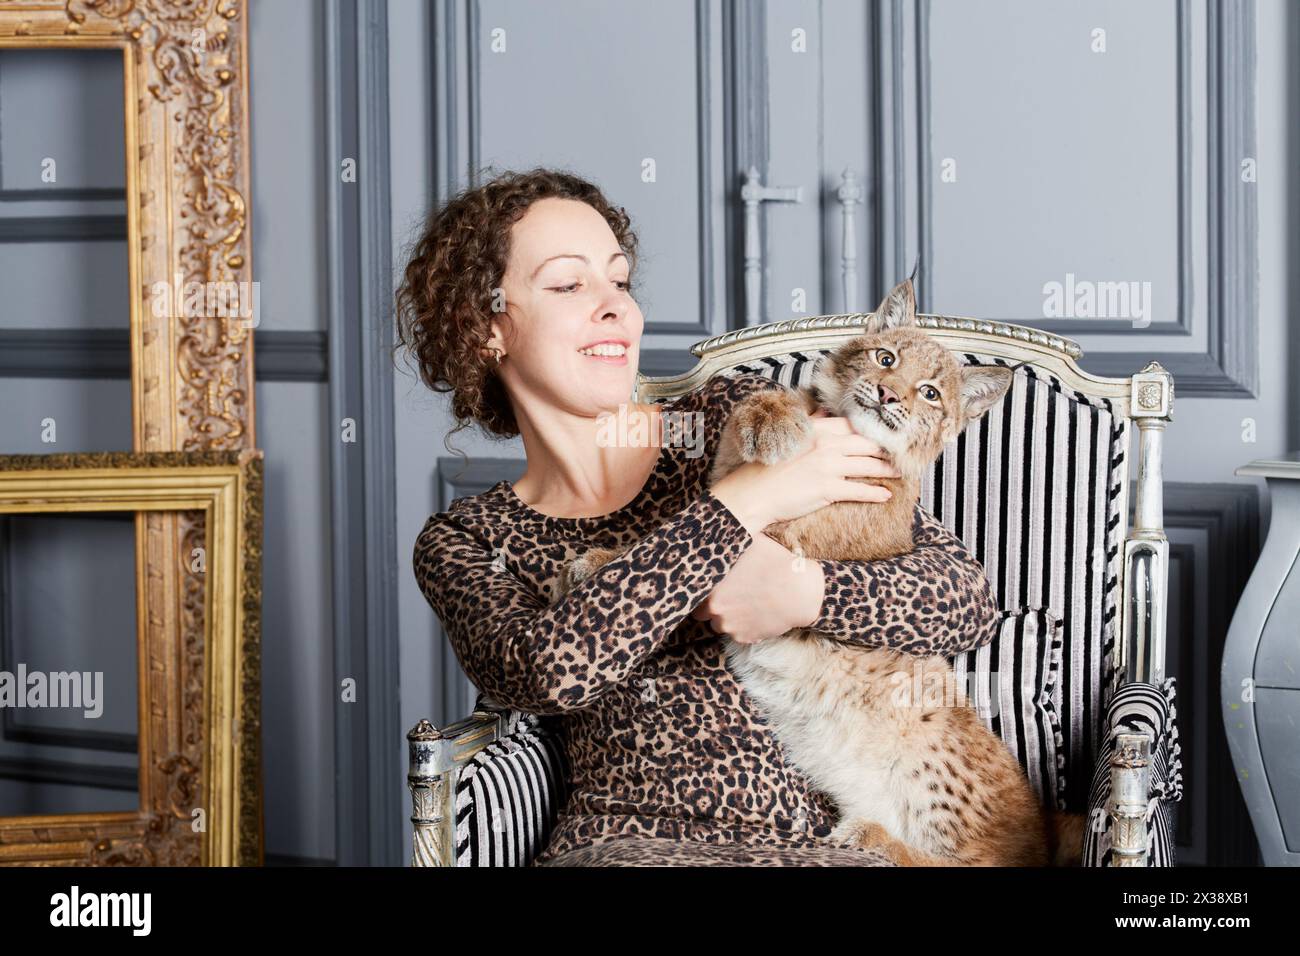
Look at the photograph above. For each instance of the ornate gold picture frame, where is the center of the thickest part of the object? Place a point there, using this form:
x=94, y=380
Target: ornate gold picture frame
x=185, y=91
x=199, y=702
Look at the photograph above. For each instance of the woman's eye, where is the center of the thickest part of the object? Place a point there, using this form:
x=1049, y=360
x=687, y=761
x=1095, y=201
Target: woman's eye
x=626, y=286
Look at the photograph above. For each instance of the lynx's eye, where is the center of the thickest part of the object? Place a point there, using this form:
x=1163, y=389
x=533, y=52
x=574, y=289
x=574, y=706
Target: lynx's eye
x=885, y=358
x=930, y=393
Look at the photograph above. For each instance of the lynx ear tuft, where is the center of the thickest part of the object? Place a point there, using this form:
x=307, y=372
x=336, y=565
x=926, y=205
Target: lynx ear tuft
x=896, y=309
x=981, y=387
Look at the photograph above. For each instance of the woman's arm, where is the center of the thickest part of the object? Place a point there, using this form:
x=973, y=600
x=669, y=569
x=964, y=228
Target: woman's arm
x=936, y=599
x=550, y=659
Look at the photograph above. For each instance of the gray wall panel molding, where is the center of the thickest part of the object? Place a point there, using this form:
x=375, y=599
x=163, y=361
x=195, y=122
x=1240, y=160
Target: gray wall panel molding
x=456, y=99
x=706, y=320
x=65, y=353
x=1226, y=519
x=449, y=76
x=79, y=227
x=369, y=738
x=1182, y=324
x=1234, y=211
x=1229, y=368
x=745, y=116
x=35, y=770
x=63, y=194
x=106, y=354
x=79, y=739
x=457, y=107
x=291, y=356
x=924, y=175
x=442, y=82
x=1195, y=373
x=28, y=229
x=892, y=124
x=474, y=90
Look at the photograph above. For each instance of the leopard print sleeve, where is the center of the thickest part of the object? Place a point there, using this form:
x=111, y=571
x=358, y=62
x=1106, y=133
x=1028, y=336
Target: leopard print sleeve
x=550, y=659
x=733, y=388
x=936, y=599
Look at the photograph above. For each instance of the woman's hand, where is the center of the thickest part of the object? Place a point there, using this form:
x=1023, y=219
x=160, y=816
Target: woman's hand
x=759, y=494
x=768, y=591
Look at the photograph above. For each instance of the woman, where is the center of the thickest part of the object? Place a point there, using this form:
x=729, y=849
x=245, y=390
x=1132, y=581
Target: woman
x=518, y=300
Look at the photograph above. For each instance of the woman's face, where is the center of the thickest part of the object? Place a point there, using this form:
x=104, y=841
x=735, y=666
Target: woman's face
x=566, y=290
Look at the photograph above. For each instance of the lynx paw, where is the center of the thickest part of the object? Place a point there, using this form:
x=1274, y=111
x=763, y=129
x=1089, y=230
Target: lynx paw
x=864, y=833
x=574, y=572
x=771, y=427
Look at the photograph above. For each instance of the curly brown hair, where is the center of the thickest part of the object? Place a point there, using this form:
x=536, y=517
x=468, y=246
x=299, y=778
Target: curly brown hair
x=444, y=301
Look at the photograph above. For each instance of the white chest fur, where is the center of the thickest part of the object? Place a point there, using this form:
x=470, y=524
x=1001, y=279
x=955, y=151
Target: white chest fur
x=850, y=720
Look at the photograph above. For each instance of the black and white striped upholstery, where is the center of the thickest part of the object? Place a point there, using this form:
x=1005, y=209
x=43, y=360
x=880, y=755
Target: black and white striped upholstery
x=1033, y=490
x=508, y=795
x=1140, y=708
x=1014, y=684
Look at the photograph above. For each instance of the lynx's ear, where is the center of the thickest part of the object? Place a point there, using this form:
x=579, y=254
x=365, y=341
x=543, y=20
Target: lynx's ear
x=897, y=308
x=981, y=387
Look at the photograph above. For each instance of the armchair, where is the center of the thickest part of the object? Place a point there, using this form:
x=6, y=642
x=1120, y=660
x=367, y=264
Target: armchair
x=1038, y=489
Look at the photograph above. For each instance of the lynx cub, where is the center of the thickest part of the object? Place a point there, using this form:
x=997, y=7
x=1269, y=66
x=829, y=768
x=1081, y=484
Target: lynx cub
x=930, y=785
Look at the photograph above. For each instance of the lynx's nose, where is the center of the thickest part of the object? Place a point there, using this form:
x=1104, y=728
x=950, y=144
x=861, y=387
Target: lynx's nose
x=886, y=393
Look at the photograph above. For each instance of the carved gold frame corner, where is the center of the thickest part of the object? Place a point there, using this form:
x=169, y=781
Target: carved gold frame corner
x=199, y=703
x=187, y=174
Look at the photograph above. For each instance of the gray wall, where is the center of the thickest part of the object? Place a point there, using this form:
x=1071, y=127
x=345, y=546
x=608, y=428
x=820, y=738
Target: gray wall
x=1112, y=166
x=290, y=171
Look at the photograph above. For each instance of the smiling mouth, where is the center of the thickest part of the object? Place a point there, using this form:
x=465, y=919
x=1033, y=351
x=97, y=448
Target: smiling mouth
x=885, y=419
x=609, y=352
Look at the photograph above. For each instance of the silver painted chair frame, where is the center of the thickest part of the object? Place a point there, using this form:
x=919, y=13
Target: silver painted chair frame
x=1146, y=398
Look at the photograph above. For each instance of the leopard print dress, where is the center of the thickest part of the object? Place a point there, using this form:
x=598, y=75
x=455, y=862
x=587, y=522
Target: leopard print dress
x=670, y=761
